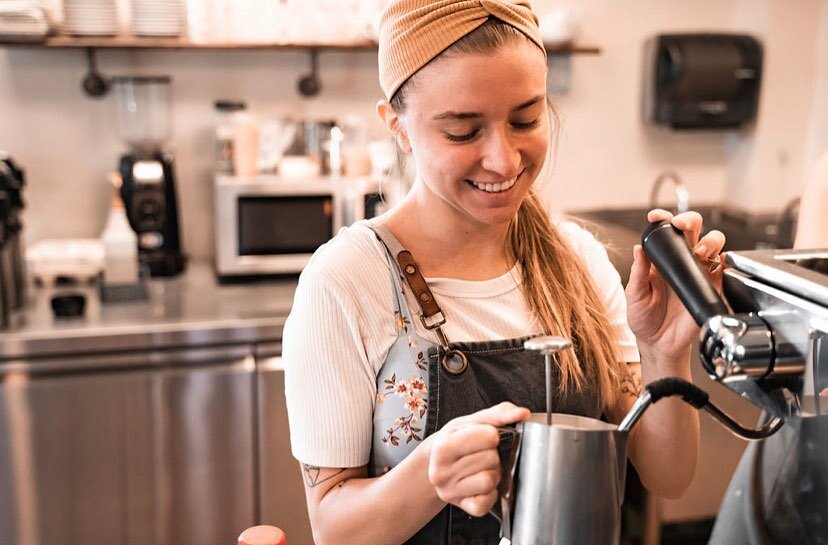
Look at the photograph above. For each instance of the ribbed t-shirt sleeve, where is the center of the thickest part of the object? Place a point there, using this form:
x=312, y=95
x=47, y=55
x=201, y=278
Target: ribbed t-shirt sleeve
x=329, y=386
x=607, y=282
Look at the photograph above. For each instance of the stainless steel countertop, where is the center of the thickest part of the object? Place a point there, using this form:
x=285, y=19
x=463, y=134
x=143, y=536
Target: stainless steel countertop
x=190, y=310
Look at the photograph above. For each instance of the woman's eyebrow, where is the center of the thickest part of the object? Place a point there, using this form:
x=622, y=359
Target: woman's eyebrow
x=531, y=102
x=473, y=115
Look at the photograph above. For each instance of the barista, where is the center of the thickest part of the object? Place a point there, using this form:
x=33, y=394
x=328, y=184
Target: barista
x=761, y=505
x=395, y=424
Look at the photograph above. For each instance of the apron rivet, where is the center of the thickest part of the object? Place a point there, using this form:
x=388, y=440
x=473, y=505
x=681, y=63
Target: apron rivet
x=410, y=269
x=424, y=297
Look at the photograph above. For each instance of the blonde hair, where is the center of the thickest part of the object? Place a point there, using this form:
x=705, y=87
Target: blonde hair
x=556, y=284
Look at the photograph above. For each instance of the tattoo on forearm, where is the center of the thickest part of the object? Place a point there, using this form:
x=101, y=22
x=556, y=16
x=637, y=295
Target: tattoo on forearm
x=313, y=475
x=630, y=384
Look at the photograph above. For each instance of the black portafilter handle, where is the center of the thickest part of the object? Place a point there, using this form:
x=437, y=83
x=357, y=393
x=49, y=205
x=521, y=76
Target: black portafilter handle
x=671, y=254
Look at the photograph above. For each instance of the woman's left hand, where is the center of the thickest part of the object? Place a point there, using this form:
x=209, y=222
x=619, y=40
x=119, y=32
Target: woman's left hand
x=663, y=327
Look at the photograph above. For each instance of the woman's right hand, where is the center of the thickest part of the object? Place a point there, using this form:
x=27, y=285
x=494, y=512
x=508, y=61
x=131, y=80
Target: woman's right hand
x=464, y=466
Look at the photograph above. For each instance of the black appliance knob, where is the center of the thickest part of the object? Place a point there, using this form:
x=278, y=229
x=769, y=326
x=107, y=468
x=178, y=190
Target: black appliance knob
x=148, y=208
x=68, y=305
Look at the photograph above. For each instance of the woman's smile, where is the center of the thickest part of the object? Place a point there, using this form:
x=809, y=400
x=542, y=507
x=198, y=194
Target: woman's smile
x=499, y=186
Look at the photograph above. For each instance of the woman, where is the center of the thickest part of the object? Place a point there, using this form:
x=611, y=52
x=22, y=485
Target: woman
x=395, y=419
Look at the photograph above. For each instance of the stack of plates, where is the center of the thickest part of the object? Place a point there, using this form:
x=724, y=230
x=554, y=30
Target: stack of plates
x=24, y=22
x=90, y=17
x=157, y=17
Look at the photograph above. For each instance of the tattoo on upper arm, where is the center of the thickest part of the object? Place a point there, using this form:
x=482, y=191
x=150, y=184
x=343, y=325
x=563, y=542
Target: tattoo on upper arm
x=313, y=475
x=630, y=384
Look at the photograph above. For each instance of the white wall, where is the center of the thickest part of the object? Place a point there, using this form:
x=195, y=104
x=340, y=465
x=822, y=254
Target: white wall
x=766, y=170
x=818, y=130
x=612, y=157
x=607, y=156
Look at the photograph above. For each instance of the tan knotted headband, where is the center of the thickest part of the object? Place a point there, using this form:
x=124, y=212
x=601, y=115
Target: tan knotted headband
x=412, y=32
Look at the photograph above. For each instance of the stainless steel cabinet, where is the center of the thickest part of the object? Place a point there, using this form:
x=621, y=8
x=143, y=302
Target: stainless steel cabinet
x=135, y=449
x=281, y=490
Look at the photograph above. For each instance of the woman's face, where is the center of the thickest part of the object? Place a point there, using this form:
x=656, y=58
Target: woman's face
x=478, y=128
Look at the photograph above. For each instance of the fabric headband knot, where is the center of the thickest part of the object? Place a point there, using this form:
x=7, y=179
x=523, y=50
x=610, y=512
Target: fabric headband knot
x=413, y=32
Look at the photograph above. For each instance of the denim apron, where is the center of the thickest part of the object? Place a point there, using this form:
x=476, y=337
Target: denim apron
x=415, y=384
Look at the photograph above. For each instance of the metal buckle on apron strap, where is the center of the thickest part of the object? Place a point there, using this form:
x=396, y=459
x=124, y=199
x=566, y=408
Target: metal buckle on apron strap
x=431, y=315
x=453, y=361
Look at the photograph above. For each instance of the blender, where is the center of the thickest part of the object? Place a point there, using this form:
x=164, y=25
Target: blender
x=148, y=181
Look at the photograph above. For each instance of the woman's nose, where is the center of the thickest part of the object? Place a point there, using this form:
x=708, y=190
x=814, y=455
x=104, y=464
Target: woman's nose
x=501, y=155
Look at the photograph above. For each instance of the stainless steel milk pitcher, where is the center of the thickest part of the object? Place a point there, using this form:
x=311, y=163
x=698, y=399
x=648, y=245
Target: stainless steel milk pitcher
x=564, y=482
x=569, y=484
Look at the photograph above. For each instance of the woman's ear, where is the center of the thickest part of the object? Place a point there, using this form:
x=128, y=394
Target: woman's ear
x=392, y=120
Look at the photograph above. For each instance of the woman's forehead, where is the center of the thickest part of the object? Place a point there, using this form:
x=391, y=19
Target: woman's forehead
x=504, y=80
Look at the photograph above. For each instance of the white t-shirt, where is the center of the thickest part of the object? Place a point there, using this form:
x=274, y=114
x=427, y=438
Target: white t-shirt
x=342, y=325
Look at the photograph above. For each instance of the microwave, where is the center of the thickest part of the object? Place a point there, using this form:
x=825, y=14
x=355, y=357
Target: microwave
x=266, y=225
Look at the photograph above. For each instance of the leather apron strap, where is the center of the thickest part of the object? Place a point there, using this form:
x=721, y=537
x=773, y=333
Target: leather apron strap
x=431, y=315
x=411, y=273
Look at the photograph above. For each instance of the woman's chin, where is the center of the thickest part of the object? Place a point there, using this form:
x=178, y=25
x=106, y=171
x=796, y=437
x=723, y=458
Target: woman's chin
x=501, y=209
x=495, y=217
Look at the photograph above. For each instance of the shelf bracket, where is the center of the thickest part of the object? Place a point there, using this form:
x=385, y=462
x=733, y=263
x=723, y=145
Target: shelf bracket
x=309, y=85
x=95, y=84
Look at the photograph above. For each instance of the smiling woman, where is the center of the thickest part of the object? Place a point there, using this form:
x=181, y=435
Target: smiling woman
x=404, y=348
x=490, y=141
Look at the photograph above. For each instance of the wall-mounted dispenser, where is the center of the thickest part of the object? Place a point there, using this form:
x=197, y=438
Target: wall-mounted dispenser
x=701, y=81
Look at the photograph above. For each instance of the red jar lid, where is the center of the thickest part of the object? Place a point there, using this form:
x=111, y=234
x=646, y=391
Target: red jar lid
x=262, y=535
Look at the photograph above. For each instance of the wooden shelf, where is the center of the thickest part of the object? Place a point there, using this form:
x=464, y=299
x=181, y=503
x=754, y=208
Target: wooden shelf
x=95, y=84
x=130, y=42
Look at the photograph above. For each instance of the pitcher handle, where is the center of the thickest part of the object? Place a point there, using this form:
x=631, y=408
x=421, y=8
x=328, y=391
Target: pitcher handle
x=506, y=489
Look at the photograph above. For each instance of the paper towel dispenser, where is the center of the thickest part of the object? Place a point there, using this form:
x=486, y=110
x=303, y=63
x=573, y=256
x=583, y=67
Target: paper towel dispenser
x=701, y=81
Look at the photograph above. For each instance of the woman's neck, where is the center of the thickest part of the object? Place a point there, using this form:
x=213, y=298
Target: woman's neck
x=445, y=242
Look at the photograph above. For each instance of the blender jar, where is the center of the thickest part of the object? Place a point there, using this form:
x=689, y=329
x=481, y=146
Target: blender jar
x=143, y=110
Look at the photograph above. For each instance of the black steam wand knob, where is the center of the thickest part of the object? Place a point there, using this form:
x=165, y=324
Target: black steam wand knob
x=731, y=346
x=671, y=254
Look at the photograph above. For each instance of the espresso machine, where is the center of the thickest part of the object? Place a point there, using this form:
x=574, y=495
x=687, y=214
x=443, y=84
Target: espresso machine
x=148, y=179
x=768, y=344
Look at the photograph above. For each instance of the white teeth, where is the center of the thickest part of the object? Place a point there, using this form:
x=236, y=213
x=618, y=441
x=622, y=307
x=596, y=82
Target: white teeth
x=495, y=188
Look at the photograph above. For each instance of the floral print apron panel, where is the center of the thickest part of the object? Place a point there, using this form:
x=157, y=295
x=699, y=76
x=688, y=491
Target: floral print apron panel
x=401, y=405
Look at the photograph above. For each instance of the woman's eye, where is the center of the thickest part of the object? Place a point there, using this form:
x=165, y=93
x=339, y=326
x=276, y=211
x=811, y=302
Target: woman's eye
x=469, y=136
x=461, y=137
x=526, y=126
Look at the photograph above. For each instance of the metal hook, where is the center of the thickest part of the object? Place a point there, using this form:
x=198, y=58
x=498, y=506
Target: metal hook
x=94, y=84
x=310, y=85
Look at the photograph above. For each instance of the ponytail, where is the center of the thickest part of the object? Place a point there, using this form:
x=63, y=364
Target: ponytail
x=559, y=289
